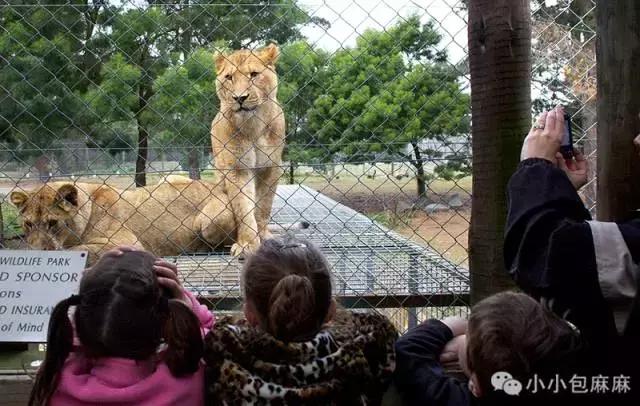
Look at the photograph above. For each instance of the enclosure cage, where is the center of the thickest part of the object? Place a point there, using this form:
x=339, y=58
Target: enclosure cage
x=376, y=100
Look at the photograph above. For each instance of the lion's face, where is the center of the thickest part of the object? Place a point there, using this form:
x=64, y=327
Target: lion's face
x=47, y=214
x=246, y=80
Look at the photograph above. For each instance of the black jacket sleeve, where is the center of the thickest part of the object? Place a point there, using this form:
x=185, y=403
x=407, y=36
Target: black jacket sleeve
x=549, y=247
x=419, y=376
x=631, y=233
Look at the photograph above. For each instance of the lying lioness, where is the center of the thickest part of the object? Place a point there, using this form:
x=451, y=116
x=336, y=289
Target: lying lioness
x=171, y=217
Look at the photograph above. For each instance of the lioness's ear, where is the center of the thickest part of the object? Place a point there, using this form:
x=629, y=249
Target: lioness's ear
x=219, y=59
x=270, y=54
x=18, y=198
x=67, y=197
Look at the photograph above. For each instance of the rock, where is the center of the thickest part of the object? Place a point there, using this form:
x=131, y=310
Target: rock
x=455, y=202
x=403, y=206
x=435, y=207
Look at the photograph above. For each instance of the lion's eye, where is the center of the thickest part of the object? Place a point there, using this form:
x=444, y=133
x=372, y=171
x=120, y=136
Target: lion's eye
x=228, y=77
x=254, y=74
x=52, y=223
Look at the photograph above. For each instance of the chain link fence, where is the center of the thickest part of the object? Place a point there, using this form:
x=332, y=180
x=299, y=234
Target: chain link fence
x=375, y=96
x=564, y=52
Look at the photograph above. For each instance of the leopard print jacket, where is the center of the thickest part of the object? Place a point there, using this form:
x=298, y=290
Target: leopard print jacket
x=349, y=362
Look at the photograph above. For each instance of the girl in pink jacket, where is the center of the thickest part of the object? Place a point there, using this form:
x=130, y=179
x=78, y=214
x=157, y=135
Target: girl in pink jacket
x=139, y=338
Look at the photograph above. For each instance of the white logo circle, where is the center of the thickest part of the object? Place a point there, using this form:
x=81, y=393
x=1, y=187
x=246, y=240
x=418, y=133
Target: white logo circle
x=499, y=378
x=512, y=387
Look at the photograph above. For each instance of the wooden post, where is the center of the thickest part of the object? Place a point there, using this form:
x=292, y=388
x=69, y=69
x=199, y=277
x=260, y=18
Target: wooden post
x=1, y=226
x=414, y=288
x=500, y=64
x=292, y=173
x=618, y=55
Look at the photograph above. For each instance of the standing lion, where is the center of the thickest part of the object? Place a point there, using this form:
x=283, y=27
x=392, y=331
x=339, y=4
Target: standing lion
x=248, y=138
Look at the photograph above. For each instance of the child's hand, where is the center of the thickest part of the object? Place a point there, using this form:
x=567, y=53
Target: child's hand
x=116, y=252
x=119, y=250
x=167, y=273
x=450, y=357
x=456, y=324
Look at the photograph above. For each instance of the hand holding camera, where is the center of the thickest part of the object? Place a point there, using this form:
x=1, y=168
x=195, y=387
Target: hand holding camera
x=551, y=138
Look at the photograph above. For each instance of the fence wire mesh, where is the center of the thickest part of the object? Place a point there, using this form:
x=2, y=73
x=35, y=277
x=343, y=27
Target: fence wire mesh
x=376, y=163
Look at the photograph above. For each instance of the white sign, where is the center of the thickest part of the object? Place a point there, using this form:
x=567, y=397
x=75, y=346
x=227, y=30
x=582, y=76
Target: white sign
x=31, y=284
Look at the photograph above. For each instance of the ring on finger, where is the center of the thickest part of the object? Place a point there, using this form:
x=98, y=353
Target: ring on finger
x=538, y=127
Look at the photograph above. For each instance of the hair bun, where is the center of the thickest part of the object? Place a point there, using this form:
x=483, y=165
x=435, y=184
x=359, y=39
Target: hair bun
x=291, y=307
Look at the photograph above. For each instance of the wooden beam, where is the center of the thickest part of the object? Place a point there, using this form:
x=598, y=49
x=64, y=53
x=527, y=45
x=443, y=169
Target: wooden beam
x=500, y=65
x=359, y=302
x=618, y=55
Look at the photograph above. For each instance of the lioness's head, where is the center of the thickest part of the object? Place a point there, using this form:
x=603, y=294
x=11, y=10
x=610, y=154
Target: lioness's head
x=48, y=214
x=246, y=79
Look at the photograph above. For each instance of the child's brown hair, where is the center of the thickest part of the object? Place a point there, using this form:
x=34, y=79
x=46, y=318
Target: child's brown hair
x=512, y=332
x=288, y=282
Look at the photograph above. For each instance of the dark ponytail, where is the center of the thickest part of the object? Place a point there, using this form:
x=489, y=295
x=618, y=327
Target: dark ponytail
x=182, y=335
x=291, y=307
x=59, y=345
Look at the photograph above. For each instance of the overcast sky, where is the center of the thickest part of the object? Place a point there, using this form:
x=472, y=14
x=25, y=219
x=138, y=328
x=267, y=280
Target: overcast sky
x=349, y=18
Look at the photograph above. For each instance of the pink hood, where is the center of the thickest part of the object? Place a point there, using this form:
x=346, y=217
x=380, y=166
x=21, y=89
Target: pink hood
x=124, y=382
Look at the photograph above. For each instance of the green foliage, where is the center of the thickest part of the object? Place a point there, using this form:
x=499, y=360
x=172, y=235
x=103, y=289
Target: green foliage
x=39, y=72
x=141, y=49
x=114, y=75
x=11, y=221
x=245, y=24
x=90, y=69
x=391, y=90
x=184, y=102
x=302, y=80
x=116, y=98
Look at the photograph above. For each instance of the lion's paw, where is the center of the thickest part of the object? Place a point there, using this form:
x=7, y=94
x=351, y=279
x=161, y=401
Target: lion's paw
x=240, y=249
x=265, y=235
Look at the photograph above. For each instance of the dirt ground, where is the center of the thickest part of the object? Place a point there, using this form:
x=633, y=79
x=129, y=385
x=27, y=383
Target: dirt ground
x=389, y=201
x=446, y=232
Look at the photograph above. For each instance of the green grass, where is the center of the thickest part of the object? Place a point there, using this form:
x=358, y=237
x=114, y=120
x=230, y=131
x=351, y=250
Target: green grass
x=11, y=221
x=390, y=219
x=20, y=360
x=344, y=183
x=381, y=217
x=347, y=184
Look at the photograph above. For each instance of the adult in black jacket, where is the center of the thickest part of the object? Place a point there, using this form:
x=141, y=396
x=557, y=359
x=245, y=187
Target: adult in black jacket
x=586, y=270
